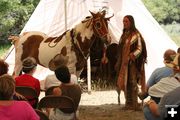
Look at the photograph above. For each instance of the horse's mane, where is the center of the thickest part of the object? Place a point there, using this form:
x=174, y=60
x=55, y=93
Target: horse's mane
x=84, y=26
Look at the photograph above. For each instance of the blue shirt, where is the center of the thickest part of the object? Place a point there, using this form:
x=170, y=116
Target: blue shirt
x=158, y=74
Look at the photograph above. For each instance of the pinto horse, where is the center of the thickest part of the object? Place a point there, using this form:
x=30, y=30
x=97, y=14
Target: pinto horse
x=71, y=48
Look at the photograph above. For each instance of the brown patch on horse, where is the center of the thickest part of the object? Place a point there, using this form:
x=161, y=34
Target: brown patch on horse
x=64, y=51
x=84, y=44
x=59, y=59
x=30, y=47
x=81, y=52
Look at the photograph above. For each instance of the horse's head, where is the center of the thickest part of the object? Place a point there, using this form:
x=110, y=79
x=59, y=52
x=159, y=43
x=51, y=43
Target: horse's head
x=100, y=25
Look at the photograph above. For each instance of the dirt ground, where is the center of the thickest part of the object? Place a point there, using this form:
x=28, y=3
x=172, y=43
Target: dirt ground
x=108, y=112
x=103, y=105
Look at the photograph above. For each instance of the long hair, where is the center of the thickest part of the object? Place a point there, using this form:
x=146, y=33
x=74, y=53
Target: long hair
x=143, y=57
x=132, y=25
x=128, y=32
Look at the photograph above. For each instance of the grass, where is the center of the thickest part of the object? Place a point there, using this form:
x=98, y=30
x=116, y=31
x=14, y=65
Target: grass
x=176, y=39
x=99, y=85
x=173, y=31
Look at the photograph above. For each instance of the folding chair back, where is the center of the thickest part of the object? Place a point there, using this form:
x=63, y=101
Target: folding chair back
x=41, y=114
x=64, y=103
x=29, y=93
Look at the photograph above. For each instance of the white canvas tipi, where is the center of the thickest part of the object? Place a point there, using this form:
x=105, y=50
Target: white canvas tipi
x=50, y=16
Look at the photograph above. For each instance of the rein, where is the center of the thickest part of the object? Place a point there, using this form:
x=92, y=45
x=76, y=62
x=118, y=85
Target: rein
x=51, y=46
x=96, y=32
x=77, y=46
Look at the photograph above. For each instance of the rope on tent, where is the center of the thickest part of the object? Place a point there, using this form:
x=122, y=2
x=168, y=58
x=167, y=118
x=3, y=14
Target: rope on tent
x=9, y=52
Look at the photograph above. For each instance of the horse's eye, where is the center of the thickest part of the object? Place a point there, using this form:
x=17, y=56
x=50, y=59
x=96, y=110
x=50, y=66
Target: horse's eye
x=98, y=25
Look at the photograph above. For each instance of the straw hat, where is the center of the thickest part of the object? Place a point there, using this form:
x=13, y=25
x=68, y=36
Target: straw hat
x=29, y=62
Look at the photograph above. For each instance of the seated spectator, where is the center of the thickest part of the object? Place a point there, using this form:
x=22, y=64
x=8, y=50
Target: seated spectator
x=66, y=88
x=51, y=80
x=167, y=84
x=160, y=73
x=154, y=111
x=4, y=67
x=27, y=79
x=10, y=109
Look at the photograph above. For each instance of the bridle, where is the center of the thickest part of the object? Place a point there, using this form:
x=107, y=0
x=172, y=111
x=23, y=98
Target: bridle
x=77, y=46
x=97, y=25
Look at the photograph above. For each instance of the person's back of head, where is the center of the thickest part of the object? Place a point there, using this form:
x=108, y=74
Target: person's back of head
x=3, y=67
x=169, y=56
x=62, y=73
x=29, y=64
x=7, y=87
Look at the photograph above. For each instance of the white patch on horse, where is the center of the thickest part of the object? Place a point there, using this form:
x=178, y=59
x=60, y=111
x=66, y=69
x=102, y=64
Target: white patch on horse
x=46, y=53
x=82, y=28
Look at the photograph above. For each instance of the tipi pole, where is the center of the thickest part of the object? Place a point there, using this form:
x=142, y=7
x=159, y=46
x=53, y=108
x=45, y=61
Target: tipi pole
x=89, y=75
x=65, y=14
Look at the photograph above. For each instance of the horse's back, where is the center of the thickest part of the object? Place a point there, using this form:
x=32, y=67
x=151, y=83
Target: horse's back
x=28, y=44
x=27, y=35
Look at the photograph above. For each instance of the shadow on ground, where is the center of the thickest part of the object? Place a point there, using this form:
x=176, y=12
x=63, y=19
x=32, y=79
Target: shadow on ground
x=108, y=112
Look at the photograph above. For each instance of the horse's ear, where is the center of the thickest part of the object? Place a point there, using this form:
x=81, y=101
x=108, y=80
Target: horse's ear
x=93, y=14
x=103, y=13
x=108, y=18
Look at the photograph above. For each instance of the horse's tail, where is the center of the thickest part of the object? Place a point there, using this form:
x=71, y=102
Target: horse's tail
x=14, y=39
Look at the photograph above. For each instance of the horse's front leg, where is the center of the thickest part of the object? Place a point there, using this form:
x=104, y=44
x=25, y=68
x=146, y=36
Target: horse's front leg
x=17, y=71
x=119, y=97
x=17, y=67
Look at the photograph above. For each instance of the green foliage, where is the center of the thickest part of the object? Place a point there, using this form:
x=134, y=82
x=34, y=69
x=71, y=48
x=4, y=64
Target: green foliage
x=176, y=39
x=13, y=16
x=174, y=31
x=3, y=50
x=165, y=11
